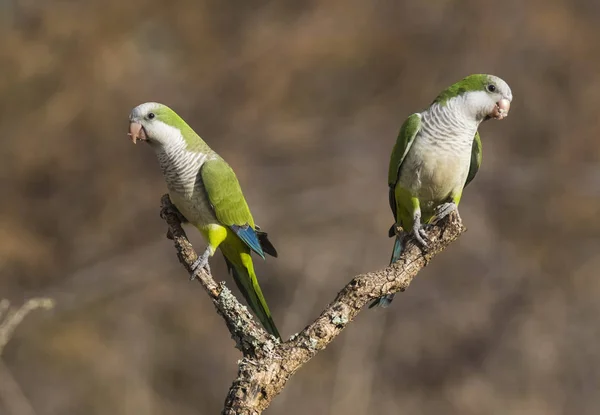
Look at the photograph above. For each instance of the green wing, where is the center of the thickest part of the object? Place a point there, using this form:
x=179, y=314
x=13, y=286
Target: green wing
x=476, y=154
x=225, y=194
x=406, y=137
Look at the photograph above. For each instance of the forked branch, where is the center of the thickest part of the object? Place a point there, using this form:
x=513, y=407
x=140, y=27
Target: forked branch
x=267, y=363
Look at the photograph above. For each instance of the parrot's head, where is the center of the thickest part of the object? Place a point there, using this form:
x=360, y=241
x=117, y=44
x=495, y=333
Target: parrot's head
x=158, y=125
x=482, y=96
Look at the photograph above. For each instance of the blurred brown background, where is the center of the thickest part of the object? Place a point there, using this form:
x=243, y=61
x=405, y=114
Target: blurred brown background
x=304, y=99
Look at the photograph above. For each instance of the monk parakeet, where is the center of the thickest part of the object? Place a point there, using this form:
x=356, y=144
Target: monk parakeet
x=207, y=193
x=438, y=153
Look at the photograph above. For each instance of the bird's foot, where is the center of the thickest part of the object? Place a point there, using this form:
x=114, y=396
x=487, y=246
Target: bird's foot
x=201, y=262
x=442, y=211
x=420, y=234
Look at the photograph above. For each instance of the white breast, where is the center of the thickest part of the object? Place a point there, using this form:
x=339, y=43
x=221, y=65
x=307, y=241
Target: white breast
x=195, y=207
x=181, y=170
x=438, y=162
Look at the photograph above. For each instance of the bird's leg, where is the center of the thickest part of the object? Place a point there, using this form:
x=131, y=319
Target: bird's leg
x=417, y=230
x=442, y=211
x=201, y=262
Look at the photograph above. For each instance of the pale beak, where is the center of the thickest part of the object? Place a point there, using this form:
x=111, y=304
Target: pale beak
x=136, y=132
x=501, y=110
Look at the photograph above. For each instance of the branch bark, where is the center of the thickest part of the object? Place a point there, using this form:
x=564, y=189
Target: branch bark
x=267, y=363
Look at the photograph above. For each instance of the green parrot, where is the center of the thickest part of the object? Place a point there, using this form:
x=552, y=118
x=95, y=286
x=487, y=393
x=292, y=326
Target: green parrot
x=207, y=193
x=438, y=153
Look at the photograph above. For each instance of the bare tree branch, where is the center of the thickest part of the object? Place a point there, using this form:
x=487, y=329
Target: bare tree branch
x=267, y=364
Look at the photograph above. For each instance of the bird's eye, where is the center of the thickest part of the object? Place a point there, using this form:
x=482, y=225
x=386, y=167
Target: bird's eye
x=151, y=115
x=491, y=88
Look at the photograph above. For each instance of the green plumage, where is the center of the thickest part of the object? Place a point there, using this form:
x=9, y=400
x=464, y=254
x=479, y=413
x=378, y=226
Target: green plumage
x=407, y=134
x=471, y=83
x=225, y=194
x=206, y=191
x=476, y=156
x=405, y=139
x=230, y=208
x=437, y=153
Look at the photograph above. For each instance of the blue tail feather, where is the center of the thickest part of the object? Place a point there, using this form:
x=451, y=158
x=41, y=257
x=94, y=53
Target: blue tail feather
x=397, y=251
x=249, y=237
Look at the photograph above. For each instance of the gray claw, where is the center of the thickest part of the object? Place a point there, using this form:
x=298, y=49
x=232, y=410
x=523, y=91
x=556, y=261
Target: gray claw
x=201, y=262
x=420, y=234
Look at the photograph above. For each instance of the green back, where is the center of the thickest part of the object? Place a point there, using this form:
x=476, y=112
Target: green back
x=225, y=194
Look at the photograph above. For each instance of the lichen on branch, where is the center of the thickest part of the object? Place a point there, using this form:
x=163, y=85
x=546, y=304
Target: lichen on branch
x=267, y=363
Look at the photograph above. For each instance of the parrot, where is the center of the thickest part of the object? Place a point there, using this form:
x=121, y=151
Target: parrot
x=437, y=154
x=206, y=191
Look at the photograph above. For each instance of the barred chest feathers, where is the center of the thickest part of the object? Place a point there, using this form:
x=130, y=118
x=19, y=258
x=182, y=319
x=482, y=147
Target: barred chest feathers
x=438, y=162
x=181, y=170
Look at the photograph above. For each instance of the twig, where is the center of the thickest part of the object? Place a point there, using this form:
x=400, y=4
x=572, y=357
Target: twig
x=10, y=318
x=267, y=364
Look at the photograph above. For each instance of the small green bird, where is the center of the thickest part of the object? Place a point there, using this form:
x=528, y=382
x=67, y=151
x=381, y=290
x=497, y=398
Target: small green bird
x=438, y=153
x=207, y=193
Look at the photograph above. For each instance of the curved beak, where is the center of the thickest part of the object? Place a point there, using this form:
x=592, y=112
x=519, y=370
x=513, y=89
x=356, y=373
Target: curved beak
x=136, y=132
x=501, y=110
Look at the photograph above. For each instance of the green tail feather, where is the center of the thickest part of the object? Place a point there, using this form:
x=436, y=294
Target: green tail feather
x=248, y=285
